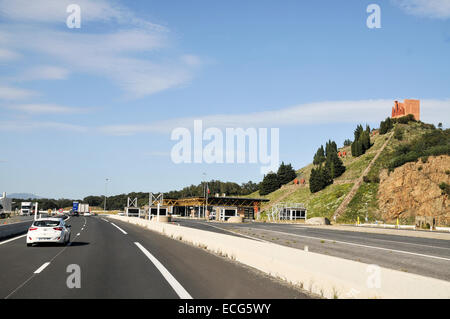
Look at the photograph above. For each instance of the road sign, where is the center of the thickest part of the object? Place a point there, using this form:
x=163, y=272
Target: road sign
x=61, y=210
x=75, y=206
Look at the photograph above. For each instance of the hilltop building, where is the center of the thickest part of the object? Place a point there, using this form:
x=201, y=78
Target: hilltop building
x=405, y=108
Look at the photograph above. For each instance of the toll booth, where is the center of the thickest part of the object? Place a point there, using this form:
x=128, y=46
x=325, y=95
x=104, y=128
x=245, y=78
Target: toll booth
x=288, y=211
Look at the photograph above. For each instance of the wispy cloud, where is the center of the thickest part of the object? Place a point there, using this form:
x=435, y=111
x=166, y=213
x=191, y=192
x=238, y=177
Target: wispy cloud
x=10, y=93
x=361, y=111
x=6, y=55
x=24, y=126
x=43, y=72
x=54, y=11
x=45, y=109
x=427, y=8
x=130, y=55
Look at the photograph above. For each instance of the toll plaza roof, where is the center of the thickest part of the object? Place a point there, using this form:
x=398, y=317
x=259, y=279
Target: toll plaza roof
x=215, y=201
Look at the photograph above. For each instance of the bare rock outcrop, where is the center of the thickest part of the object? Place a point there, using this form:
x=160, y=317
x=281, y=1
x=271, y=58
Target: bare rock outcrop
x=413, y=190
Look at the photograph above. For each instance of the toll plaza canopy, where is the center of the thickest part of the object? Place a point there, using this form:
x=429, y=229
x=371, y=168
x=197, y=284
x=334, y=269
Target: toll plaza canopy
x=215, y=201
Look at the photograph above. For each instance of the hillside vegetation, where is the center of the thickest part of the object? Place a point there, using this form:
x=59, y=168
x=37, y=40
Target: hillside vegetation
x=411, y=142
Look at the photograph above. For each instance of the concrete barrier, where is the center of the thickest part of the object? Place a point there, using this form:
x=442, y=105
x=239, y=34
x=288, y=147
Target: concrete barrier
x=328, y=276
x=15, y=229
x=235, y=219
x=387, y=226
x=162, y=219
x=407, y=227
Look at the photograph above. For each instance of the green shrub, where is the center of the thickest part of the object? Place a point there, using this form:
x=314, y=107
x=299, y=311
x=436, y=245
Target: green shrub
x=445, y=188
x=398, y=133
x=434, y=143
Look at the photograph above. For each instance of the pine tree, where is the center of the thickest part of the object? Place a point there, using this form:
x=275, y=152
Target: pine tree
x=362, y=141
x=269, y=184
x=319, y=157
x=286, y=173
x=334, y=165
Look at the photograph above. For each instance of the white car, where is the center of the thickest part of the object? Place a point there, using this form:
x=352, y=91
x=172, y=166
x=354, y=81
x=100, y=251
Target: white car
x=48, y=230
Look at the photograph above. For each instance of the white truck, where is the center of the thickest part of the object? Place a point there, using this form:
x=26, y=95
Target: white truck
x=26, y=208
x=5, y=206
x=83, y=209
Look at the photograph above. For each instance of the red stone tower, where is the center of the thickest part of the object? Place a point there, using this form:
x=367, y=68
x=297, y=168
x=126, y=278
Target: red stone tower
x=405, y=108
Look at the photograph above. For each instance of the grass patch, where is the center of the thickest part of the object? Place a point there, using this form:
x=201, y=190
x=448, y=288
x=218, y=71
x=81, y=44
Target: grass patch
x=364, y=202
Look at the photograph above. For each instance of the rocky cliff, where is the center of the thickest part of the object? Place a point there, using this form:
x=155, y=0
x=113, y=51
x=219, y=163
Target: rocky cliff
x=413, y=190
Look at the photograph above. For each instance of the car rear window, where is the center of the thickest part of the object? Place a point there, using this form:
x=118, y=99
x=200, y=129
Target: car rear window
x=46, y=223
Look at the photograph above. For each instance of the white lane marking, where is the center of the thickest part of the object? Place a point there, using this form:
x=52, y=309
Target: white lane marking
x=119, y=228
x=243, y=235
x=181, y=292
x=78, y=234
x=360, y=245
x=7, y=241
x=42, y=268
x=380, y=239
x=105, y=220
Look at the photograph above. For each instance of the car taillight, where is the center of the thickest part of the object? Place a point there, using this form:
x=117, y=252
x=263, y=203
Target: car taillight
x=57, y=228
x=32, y=228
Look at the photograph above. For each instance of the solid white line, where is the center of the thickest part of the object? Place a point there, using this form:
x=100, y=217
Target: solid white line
x=237, y=233
x=181, y=292
x=105, y=220
x=119, y=228
x=392, y=241
x=360, y=245
x=7, y=241
x=42, y=268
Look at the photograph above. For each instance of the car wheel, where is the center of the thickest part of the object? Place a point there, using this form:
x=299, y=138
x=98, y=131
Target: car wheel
x=29, y=245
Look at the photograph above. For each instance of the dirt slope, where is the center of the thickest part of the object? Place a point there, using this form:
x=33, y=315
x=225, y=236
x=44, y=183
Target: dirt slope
x=413, y=190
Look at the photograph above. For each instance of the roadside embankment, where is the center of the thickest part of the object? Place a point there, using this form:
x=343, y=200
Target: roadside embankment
x=324, y=275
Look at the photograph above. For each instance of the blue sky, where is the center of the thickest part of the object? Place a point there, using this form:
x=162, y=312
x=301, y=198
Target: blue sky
x=81, y=105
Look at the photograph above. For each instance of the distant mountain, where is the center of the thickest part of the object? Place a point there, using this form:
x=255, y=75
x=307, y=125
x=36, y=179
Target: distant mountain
x=22, y=196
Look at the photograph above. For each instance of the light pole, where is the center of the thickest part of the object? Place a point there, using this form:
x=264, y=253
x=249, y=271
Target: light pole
x=205, y=194
x=106, y=191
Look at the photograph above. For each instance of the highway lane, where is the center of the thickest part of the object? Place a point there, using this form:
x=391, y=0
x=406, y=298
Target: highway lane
x=126, y=261
x=424, y=256
x=18, y=262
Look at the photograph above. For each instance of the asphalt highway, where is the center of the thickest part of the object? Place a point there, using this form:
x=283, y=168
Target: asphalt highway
x=423, y=256
x=119, y=260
